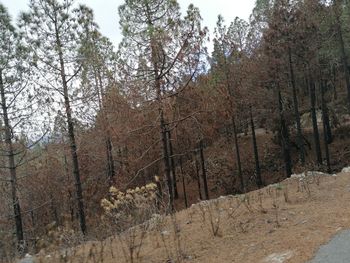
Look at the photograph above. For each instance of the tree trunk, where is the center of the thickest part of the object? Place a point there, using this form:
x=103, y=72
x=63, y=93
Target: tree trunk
x=314, y=122
x=183, y=183
x=173, y=168
x=110, y=161
x=159, y=193
x=167, y=161
x=284, y=133
x=54, y=210
x=238, y=155
x=70, y=196
x=71, y=135
x=334, y=81
x=109, y=147
x=198, y=179
x=204, y=173
x=325, y=120
x=12, y=167
x=296, y=111
x=325, y=114
x=259, y=181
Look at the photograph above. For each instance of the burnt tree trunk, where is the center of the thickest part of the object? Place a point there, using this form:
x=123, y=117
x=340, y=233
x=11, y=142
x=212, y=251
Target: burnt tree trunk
x=325, y=114
x=314, y=122
x=198, y=179
x=334, y=81
x=159, y=193
x=11, y=166
x=110, y=161
x=325, y=121
x=166, y=160
x=173, y=167
x=284, y=134
x=238, y=155
x=108, y=141
x=183, y=183
x=204, y=172
x=259, y=181
x=296, y=110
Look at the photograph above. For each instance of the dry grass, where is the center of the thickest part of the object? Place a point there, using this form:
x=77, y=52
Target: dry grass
x=292, y=216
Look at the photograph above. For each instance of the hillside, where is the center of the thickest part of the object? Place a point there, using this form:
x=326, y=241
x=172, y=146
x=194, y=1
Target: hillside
x=287, y=221
x=100, y=141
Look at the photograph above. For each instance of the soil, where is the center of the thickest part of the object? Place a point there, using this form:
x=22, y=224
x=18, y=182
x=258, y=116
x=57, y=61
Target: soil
x=286, y=222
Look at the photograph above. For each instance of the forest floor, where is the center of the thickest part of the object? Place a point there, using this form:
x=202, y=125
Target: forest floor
x=285, y=222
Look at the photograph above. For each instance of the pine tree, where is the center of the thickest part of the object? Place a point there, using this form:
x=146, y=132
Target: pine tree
x=162, y=51
x=9, y=79
x=52, y=31
x=98, y=77
x=18, y=103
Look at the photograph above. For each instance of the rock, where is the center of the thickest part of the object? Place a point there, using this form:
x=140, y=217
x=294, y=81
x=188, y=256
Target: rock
x=346, y=170
x=302, y=175
x=165, y=233
x=278, y=257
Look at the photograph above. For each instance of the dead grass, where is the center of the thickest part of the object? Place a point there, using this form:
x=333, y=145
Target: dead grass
x=246, y=228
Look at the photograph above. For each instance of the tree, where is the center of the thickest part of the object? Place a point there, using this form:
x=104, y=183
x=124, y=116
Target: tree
x=11, y=85
x=274, y=50
x=20, y=106
x=162, y=51
x=97, y=77
x=309, y=52
x=51, y=30
x=228, y=43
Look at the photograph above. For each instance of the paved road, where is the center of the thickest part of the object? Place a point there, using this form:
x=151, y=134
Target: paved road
x=336, y=251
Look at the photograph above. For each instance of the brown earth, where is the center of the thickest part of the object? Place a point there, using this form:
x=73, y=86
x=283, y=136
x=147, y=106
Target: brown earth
x=292, y=219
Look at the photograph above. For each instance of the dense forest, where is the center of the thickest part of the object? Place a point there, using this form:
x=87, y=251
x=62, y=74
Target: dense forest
x=88, y=129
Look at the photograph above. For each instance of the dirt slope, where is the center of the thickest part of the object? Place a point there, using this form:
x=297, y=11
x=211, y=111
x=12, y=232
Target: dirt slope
x=280, y=223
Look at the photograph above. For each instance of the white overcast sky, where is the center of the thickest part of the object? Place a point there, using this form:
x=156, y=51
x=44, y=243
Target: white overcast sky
x=106, y=12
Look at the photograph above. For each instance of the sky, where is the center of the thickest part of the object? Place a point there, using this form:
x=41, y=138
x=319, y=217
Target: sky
x=106, y=12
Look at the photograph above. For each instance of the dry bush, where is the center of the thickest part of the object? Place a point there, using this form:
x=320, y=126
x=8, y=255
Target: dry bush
x=60, y=237
x=131, y=213
x=211, y=215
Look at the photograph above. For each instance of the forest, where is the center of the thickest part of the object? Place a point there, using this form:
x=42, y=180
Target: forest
x=95, y=139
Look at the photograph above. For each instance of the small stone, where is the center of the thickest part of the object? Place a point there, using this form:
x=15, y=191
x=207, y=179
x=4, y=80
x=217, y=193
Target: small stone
x=278, y=257
x=346, y=170
x=165, y=233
